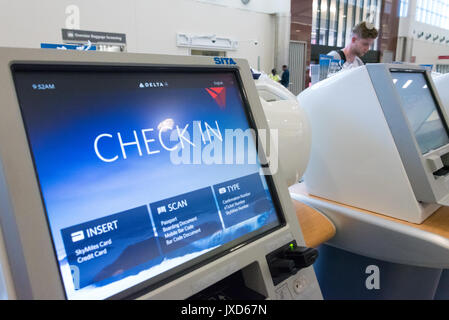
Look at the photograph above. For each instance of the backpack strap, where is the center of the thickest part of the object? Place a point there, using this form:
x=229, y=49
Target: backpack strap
x=342, y=55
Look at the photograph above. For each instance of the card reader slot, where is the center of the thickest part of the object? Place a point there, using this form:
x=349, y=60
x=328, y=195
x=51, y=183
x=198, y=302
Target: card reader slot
x=442, y=172
x=443, y=167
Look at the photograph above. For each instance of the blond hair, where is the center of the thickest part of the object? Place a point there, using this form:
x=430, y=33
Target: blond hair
x=365, y=30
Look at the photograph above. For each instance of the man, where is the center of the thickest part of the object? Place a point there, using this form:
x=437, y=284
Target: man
x=285, y=79
x=362, y=37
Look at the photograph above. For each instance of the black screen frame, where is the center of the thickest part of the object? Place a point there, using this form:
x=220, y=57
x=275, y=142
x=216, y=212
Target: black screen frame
x=159, y=280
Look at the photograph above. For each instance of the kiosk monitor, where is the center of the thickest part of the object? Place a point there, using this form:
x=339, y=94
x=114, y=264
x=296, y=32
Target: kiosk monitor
x=421, y=109
x=137, y=175
x=380, y=141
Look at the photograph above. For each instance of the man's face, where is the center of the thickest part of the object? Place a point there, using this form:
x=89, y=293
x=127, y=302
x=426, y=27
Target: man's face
x=361, y=46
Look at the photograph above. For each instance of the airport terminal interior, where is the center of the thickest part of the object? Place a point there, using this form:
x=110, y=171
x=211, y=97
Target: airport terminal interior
x=224, y=150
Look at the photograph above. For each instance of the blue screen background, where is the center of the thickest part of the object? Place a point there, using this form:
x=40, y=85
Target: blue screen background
x=77, y=187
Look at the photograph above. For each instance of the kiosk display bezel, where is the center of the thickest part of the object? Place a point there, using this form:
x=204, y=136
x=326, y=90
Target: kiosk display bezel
x=184, y=268
x=27, y=239
x=426, y=187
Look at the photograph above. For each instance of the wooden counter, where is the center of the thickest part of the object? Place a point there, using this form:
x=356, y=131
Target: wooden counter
x=437, y=223
x=315, y=227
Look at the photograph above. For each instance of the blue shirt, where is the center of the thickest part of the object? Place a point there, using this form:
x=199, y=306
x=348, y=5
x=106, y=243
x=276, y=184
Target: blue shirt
x=285, y=80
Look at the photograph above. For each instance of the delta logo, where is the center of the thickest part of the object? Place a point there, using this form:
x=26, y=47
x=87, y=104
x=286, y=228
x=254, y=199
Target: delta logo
x=219, y=95
x=220, y=60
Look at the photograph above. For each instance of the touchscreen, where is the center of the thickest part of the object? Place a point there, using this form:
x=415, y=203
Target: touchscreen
x=421, y=110
x=141, y=171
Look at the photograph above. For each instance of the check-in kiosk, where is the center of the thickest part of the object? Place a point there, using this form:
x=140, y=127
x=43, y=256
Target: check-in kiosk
x=378, y=169
x=380, y=141
x=141, y=176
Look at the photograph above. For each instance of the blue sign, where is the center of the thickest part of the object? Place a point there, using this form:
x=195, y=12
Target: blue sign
x=183, y=219
x=427, y=66
x=241, y=199
x=87, y=47
x=108, y=247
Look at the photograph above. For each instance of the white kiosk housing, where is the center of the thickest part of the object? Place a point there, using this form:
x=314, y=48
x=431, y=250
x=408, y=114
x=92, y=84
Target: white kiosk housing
x=285, y=115
x=380, y=141
x=113, y=183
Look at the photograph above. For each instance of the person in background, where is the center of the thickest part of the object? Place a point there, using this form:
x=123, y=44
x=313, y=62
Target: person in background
x=285, y=79
x=274, y=76
x=362, y=37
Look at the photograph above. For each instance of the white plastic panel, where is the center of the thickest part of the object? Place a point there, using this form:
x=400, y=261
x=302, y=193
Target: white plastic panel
x=285, y=115
x=442, y=85
x=354, y=158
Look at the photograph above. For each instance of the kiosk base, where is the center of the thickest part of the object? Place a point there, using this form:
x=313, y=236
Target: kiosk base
x=345, y=275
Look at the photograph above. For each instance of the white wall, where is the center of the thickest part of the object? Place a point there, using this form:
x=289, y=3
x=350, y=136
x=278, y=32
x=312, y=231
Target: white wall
x=425, y=51
x=150, y=26
x=265, y=6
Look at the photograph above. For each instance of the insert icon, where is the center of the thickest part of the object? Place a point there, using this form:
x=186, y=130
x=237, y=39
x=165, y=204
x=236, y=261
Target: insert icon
x=77, y=236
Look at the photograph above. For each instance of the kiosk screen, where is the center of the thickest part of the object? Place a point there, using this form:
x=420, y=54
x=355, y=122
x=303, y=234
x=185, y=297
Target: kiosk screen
x=421, y=110
x=143, y=172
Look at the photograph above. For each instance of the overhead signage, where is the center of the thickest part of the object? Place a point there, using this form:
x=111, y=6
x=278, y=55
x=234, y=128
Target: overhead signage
x=73, y=35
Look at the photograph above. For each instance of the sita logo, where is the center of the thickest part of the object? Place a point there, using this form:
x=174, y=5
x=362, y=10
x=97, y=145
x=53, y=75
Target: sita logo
x=219, y=60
